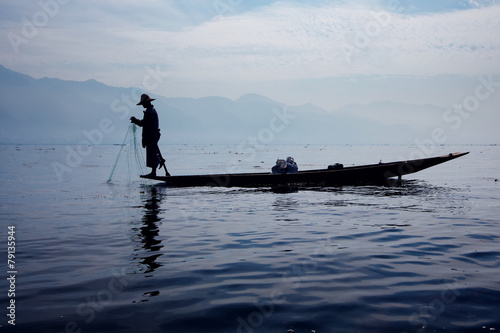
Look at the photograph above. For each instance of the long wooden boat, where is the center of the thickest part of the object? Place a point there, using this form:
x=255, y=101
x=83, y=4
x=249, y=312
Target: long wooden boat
x=373, y=174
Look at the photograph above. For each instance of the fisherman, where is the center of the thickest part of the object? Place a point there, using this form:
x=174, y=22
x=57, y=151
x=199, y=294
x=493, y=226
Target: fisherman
x=150, y=135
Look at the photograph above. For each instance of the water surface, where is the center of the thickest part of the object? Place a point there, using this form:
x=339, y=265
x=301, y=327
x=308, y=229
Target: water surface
x=130, y=256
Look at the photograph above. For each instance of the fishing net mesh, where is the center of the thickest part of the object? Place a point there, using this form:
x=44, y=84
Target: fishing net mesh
x=130, y=162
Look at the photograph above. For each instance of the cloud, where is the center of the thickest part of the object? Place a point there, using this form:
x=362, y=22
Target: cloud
x=294, y=41
x=114, y=42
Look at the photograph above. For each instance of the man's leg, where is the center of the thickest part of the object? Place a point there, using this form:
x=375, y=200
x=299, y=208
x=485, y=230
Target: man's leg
x=151, y=159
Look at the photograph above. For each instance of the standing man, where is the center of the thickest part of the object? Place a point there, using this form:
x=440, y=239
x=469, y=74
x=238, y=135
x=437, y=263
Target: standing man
x=150, y=135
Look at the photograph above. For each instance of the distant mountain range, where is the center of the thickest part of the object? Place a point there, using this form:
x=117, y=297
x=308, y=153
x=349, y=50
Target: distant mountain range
x=54, y=111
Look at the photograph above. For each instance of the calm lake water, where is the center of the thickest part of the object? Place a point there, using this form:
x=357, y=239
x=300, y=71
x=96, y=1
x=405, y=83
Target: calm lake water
x=135, y=256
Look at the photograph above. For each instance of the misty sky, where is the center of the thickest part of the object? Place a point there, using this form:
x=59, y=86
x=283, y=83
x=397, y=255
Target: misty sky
x=292, y=51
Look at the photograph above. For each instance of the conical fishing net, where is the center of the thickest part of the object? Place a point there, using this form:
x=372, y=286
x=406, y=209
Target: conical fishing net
x=130, y=162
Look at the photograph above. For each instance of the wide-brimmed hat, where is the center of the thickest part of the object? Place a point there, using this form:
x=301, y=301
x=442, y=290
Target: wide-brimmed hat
x=145, y=98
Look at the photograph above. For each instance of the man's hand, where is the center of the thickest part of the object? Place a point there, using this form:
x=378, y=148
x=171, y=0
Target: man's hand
x=133, y=120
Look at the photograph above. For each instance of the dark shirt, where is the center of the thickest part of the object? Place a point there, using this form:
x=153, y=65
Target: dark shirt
x=150, y=127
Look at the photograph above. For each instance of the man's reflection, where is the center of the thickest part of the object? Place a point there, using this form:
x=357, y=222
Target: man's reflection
x=149, y=232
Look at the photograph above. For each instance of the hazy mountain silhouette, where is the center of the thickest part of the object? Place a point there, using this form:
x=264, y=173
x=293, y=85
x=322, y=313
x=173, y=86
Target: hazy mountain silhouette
x=43, y=111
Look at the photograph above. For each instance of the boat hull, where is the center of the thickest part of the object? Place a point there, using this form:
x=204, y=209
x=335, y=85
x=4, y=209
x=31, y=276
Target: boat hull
x=374, y=174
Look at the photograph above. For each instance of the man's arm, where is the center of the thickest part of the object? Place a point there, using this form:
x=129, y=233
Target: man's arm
x=136, y=121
